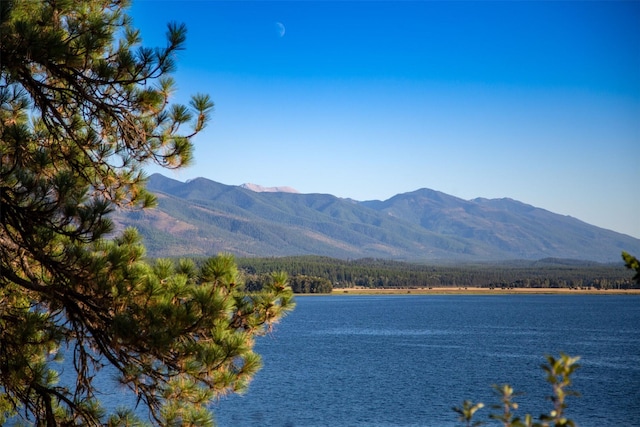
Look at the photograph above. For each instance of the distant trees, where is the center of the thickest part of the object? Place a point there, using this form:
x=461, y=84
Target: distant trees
x=310, y=285
x=376, y=273
x=300, y=284
x=83, y=107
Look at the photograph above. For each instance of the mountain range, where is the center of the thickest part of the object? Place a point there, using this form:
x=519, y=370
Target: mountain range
x=201, y=217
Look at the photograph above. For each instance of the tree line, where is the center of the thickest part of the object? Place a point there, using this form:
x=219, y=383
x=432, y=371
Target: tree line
x=389, y=274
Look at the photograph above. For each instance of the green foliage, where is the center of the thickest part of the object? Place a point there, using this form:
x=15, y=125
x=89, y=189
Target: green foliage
x=632, y=263
x=559, y=371
x=83, y=107
x=466, y=412
x=310, y=285
x=506, y=405
x=178, y=337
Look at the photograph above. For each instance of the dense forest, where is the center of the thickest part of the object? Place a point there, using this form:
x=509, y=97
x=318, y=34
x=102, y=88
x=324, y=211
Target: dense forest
x=315, y=274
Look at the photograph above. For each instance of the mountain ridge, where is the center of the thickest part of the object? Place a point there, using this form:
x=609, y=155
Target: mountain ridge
x=204, y=217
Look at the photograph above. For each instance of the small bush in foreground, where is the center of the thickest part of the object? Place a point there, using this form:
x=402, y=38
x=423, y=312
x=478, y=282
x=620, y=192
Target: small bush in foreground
x=559, y=373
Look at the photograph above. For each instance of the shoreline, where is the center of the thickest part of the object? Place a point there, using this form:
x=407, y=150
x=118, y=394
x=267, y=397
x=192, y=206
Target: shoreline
x=481, y=291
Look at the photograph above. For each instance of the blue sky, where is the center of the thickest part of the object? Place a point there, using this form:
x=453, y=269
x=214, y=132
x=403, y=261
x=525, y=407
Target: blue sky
x=536, y=101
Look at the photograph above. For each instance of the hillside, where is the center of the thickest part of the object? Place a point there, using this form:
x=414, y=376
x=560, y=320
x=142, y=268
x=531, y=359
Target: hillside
x=203, y=217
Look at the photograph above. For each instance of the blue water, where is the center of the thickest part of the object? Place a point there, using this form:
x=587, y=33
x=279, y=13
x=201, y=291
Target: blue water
x=406, y=360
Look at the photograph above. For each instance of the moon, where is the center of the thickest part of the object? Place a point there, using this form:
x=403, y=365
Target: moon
x=280, y=29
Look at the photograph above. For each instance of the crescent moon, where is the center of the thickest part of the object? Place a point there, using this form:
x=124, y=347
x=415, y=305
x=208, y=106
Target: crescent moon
x=280, y=29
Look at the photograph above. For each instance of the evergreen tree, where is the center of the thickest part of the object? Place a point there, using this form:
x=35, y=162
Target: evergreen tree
x=83, y=107
x=632, y=263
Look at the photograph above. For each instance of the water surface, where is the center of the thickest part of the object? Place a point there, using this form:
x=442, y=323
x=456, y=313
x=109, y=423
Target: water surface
x=406, y=360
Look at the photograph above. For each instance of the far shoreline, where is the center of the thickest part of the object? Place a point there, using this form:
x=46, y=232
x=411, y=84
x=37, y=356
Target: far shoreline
x=480, y=291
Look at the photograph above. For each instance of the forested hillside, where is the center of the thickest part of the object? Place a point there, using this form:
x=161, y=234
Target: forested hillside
x=203, y=217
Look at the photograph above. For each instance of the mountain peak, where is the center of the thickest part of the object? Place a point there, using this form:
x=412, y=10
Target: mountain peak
x=260, y=189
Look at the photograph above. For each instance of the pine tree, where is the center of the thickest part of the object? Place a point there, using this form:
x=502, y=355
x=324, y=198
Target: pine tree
x=83, y=107
x=632, y=263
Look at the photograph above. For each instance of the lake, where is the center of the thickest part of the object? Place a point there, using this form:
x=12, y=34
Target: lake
x=406, y=360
